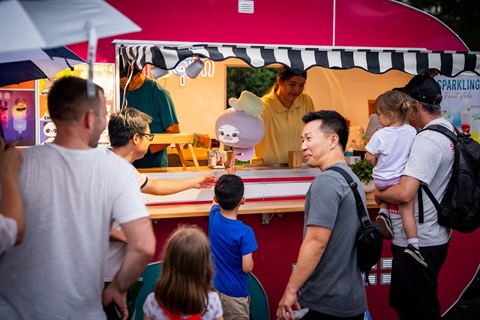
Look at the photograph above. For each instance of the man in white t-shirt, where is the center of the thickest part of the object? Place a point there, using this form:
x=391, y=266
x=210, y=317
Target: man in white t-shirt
x=413, y=290
x=130, y=139
x=72, y=192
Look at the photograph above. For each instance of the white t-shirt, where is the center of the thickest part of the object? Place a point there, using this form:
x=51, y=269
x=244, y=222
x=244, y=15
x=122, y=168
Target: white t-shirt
x=70, y=198
x=430, y=162
x=152, y=309
x=392, y=145
x=117, y=249
x=8, y=233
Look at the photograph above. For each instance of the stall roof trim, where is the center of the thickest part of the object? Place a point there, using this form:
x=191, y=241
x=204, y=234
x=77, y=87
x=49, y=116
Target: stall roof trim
x=301, y=58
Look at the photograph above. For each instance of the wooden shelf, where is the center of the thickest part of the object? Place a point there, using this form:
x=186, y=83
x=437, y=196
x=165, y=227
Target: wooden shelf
x=178, y=139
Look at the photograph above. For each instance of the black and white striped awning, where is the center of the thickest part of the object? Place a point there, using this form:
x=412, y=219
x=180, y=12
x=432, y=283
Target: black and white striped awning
x=302, y=58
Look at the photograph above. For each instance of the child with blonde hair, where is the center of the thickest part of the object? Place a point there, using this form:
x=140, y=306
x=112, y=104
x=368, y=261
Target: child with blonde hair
x=389, y=148
x=184, y=290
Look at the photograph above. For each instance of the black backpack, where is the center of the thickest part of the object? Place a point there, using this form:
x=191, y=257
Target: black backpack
x=460, y=206
x=370, y=236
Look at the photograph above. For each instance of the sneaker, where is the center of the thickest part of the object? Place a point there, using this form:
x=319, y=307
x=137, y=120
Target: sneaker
x=415, y=255
x=385, y=224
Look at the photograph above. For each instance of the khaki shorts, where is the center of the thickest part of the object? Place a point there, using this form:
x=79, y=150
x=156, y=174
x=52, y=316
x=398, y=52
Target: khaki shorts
x=235, y=308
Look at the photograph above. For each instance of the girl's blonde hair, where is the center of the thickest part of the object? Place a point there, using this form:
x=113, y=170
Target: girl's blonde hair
x=395, y=101
x=186, y=272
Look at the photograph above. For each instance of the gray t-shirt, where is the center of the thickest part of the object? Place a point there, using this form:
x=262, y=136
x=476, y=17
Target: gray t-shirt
x=430, y=162
x=336, y=286
x=70, y=198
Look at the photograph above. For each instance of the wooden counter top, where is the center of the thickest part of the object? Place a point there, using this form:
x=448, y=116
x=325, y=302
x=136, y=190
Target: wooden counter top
x=250, y=207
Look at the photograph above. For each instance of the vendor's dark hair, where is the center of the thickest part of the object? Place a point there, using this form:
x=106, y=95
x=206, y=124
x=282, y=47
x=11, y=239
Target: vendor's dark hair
x=125, y=71
x=285, y=73
x=68, y=99
x=123, y=125
x=332, y=122
x=229, y=191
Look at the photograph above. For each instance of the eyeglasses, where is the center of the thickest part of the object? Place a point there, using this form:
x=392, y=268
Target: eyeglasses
x=149, y=136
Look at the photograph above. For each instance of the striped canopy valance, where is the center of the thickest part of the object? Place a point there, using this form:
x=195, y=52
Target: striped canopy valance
x=302, y=58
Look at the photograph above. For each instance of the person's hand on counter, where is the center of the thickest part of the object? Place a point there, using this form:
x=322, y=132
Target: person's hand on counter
x=205, y=181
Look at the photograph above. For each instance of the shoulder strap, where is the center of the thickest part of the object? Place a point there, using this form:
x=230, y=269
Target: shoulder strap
x=362, y=214
x=445, y=131
x=454, y=138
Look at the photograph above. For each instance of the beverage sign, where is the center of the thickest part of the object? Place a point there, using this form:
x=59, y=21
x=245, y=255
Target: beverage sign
x=461, y=102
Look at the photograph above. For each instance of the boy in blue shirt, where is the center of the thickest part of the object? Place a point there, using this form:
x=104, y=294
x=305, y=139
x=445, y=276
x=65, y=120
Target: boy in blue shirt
x=232, y=243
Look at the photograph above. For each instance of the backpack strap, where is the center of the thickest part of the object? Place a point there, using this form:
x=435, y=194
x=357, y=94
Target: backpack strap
x=454, y=138
x=362, y=214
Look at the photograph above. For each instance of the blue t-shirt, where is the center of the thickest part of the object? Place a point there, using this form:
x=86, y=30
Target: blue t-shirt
x=229, y=241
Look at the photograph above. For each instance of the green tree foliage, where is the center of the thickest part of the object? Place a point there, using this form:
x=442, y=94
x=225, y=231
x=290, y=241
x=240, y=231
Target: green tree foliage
x=462, y=16
x=255, y=80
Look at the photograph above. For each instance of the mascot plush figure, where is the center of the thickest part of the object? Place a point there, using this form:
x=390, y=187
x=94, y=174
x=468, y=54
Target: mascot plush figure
x=240, y=126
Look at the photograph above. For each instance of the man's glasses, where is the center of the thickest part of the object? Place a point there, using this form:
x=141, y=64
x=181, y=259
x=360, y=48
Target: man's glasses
x=149, y=136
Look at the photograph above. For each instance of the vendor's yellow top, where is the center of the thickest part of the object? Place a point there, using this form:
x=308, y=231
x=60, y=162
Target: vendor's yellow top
x=283, y=127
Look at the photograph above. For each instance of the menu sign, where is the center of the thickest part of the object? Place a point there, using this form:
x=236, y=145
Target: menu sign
x=17, y=114
x=103, y=75
x=461, y=102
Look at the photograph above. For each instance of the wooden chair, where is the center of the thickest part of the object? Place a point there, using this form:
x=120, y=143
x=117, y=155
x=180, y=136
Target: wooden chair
x=149, y=278
x=259, y=309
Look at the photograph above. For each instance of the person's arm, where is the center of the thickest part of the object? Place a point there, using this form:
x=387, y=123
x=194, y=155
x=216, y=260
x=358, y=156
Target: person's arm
x=247, y=263
x=167, y=187
x=400, y=193
x=370, y=158
x=11, y=205
x=140, y=250
x=311, y=251
x=174, y=128
x=118, y=235
x=145, y=317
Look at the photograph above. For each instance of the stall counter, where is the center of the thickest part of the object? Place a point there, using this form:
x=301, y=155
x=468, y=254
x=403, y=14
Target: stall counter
x=268, y=189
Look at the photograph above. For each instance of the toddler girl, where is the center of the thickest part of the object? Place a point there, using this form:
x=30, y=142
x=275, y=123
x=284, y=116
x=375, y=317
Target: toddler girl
x=390, y=148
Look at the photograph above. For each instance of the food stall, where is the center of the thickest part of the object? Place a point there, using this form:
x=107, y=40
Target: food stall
x=276, y=194
x=353, y=51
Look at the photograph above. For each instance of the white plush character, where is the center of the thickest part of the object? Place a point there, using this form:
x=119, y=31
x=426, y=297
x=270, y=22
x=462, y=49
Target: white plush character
x=228, y=134
x=50, y=132
x=241, y=127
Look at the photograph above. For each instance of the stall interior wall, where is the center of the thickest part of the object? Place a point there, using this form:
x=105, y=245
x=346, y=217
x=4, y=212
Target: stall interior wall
x=200, y=101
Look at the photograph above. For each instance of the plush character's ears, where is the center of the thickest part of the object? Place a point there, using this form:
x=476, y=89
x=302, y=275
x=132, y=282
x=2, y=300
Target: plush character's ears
x=248, y=103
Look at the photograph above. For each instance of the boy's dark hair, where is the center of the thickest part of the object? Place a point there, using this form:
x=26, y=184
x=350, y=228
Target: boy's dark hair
x=332, y=122
x=229, y=191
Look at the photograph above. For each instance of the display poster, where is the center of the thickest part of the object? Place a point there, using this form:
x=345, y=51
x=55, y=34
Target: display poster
x=103, y=75
x=17, y=114
x=461, y=102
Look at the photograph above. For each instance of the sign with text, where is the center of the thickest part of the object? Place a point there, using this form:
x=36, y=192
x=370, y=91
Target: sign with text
x=461, y=102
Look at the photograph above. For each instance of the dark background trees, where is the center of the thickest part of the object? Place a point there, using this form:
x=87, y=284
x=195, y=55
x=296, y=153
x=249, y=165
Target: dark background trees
x=462, y=16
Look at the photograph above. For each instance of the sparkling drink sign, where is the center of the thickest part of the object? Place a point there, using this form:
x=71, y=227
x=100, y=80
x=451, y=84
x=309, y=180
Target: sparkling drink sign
x=461, y=102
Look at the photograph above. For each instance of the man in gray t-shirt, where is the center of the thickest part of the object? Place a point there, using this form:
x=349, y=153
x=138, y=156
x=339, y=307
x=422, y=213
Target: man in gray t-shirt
x=413, y=291
x=327, y=274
